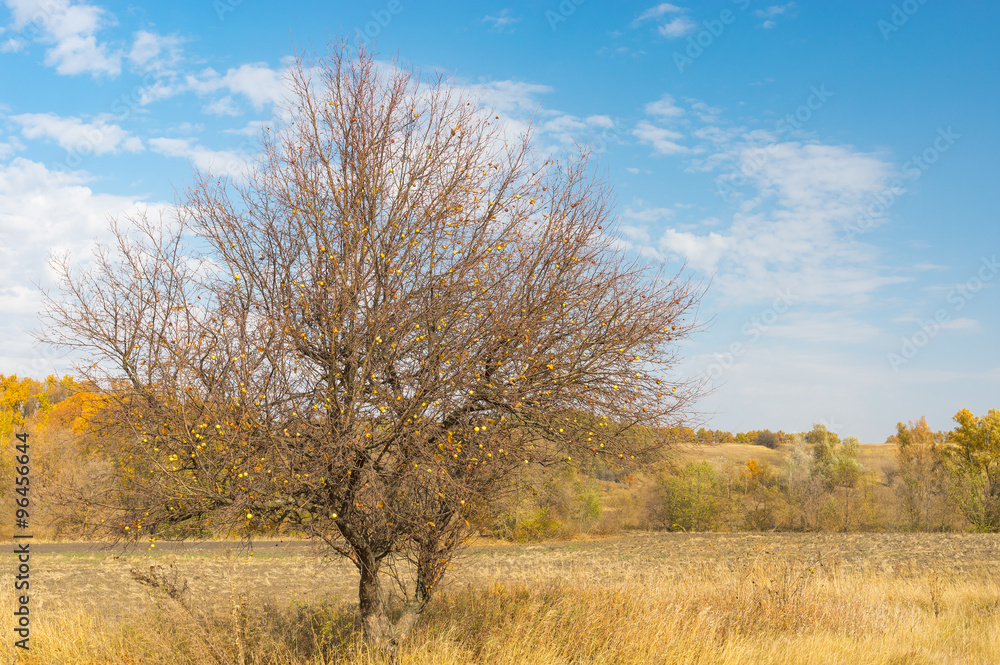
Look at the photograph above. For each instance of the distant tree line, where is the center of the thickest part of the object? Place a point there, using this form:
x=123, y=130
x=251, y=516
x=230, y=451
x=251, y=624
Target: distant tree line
x=815, y=481
x=762, y=437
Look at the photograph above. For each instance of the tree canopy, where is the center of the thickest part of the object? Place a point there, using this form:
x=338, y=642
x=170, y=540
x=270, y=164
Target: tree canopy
x=400, y=306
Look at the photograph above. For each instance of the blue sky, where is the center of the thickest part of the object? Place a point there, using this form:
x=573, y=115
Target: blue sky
x=829, y=170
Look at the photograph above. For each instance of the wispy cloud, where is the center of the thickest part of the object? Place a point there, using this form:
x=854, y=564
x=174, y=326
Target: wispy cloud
x=790, y=229
x=152, y=52
x=502, y=22
x=217, y=162
x=657, y=11
x=772, y=12
x=10, y=146
x=664, y=141
x=970, y=325
x=679, y=27
x=647, y=215
x=664, y=107
x=223, y=106
x=792, y=208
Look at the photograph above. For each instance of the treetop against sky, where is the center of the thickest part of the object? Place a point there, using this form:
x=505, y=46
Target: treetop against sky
x=828, y=170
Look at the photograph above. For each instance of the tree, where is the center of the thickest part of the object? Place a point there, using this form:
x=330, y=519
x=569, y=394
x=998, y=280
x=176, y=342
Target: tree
x=800, y=487
x=835, y=463
x=923, y=474
x=761, y=495
x=48, y=410
x=366, y=337
x=974, y=452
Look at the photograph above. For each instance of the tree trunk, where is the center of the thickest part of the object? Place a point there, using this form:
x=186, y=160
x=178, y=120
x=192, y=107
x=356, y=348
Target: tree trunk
x=375, y=624
x=377, y=628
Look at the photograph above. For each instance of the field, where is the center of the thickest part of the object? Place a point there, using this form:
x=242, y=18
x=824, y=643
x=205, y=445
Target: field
x=638, y=598
x=873, y=456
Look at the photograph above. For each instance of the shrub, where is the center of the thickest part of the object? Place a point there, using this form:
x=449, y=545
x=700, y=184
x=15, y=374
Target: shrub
x=768, y=439
x=687, y=501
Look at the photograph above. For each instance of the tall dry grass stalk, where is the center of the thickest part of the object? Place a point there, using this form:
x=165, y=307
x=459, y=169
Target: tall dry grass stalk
x=763, y=606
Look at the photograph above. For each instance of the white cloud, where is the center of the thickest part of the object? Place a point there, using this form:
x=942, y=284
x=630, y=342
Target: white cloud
x=12, y=45
x=9, y=147
x=509, y=97
x=835, y=178
x=252, y=128
x=42, y=211
x=216, y=162
x=679, y=27
x=564, y=125
x=664, y=107
x=154, y=52
x=257, y=82
x=603, y=121
x=73, y=134
x=701, y=252
x=970, y=325
x=657, y=11
x=791, y=232
x=501, y=22
x=664, y=141
x=635, y=233
x=772, y=12
x=646, y=215
x=70, y=30
x=706, y=113
x=796, y=203
x=158, y=91
x=516, y=102
x=223, y=106
x=826, y=328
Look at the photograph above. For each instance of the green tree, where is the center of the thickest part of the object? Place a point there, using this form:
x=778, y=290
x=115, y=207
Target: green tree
x=835, y=463
x=687, y=500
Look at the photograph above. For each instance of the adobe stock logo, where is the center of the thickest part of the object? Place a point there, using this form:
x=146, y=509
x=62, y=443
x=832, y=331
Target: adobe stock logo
x=712, y=30
x=958, y=297
x=381, y=18
x=566, y=9
x=751, y=331
x=900, y=16
x=874, y=211
x=757, y=156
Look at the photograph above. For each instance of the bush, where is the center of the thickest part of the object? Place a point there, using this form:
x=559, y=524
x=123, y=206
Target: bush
x=540, y=525
x=768, y=439
x=687, y=501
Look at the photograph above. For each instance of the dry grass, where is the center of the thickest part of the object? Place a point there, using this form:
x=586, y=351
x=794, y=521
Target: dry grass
x=873, y=456
x=665, y=598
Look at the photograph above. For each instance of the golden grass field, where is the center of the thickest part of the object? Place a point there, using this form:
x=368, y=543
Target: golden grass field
x=639, y=598
x=873, y=456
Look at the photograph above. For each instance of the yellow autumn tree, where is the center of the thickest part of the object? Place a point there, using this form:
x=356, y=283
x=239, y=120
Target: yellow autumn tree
x=974, y=452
